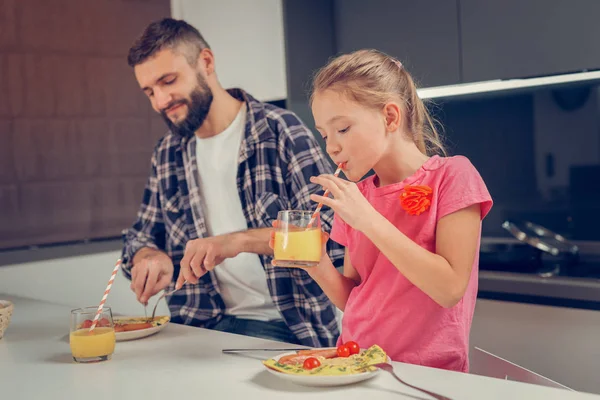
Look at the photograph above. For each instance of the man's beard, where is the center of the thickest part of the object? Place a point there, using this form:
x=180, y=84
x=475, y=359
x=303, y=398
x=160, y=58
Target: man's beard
x=198, y=106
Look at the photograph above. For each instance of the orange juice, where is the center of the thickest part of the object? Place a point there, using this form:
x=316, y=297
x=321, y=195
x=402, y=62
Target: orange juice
x=298, y=246
x=98, y=343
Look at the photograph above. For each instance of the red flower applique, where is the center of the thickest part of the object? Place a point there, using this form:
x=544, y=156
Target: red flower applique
x=416, y=199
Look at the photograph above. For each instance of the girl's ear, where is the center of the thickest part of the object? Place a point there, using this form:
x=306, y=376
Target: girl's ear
x=392, y=114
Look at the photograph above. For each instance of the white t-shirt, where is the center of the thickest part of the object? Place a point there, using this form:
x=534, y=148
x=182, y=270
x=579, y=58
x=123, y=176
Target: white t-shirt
x=242, y=280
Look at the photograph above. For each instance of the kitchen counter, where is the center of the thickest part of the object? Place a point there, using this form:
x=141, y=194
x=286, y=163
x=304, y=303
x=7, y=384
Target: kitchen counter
x=531, y=288
x=513, y=271
x=181, y=361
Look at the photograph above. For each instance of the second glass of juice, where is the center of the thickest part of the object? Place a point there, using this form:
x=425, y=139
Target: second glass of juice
x=94, y=346
x=297, y=242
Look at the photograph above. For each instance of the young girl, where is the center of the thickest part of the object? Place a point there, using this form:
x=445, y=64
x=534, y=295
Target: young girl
x=412, y=230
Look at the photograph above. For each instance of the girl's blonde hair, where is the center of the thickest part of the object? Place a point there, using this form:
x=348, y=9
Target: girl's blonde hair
x=373, y=78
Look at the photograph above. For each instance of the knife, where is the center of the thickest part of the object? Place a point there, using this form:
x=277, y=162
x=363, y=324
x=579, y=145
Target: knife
x=251, y=350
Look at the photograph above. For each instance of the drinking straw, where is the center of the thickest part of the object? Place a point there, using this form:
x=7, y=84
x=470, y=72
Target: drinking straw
x=110, y=282
x=314, y=216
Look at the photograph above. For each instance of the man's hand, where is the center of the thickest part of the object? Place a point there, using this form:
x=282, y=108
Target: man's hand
x=203, y=255
x=152, y=272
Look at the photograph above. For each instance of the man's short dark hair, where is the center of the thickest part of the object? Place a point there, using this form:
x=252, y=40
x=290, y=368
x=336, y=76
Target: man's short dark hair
x=168, y=33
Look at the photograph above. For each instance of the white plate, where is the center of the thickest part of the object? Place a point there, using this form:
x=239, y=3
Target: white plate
x=322, y=381
x=138, y=334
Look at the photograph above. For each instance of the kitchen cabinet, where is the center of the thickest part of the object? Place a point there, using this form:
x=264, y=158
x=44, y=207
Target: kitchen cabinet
x=445, y=42
x=557, y=342
x=309, y=42
x=525, y=38
x=422, y=34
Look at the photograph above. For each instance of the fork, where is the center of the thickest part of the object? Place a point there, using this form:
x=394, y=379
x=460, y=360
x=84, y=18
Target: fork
x=389, y=368
x=162, y=297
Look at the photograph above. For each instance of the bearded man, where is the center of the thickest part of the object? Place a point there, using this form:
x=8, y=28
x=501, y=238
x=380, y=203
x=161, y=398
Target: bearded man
x=228, y=164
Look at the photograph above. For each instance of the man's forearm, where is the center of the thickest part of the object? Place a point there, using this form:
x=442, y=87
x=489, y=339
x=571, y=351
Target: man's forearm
x=254, y=241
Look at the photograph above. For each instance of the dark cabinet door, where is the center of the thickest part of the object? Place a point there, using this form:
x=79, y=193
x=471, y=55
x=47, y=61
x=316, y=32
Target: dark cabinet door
x=309, y=43
x=525, y=38
x=423, y=34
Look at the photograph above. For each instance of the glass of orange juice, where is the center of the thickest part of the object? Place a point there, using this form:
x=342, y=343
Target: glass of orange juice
x=296, y=243
x=94, y=346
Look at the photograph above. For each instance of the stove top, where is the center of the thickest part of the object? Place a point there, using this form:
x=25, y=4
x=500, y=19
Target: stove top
x=516, y=257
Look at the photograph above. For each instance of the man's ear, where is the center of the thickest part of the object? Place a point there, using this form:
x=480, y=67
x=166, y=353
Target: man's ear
x=206, y=61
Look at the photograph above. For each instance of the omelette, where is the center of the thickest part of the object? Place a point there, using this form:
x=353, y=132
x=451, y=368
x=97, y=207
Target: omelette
x=136, y=323
x=354, y=364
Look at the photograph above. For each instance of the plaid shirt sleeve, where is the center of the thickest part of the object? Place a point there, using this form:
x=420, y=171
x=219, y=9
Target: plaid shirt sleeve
x=307, y=159
x=148, y=229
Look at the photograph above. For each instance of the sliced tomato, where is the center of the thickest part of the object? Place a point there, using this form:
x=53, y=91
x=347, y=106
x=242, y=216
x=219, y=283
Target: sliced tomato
x=343, y=351
x=311, y=363
x=353, y=347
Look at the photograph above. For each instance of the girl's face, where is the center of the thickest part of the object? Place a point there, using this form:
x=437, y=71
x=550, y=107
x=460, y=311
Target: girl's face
x=354, y=134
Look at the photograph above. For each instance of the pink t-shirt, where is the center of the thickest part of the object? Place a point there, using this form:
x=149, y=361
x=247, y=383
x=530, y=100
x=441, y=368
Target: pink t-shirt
x=386, y=308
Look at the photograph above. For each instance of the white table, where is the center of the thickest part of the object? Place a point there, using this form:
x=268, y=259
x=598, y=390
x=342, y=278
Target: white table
x=184, y=362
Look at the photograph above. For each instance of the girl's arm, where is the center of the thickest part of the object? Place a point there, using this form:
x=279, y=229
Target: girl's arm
x=335, y=285
x=443, y=275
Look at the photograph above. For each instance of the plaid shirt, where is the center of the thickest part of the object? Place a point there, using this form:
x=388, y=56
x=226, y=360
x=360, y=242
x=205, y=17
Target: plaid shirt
x=277, y=157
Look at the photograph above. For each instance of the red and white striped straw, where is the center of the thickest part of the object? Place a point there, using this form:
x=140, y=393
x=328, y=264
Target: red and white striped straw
x=314, y=216
x=110, y=282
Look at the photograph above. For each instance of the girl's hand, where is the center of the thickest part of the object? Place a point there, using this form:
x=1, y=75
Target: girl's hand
x=347, y=202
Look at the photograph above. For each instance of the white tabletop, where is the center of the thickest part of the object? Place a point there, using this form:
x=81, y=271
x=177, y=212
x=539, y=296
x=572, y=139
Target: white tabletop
x=186, y=362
